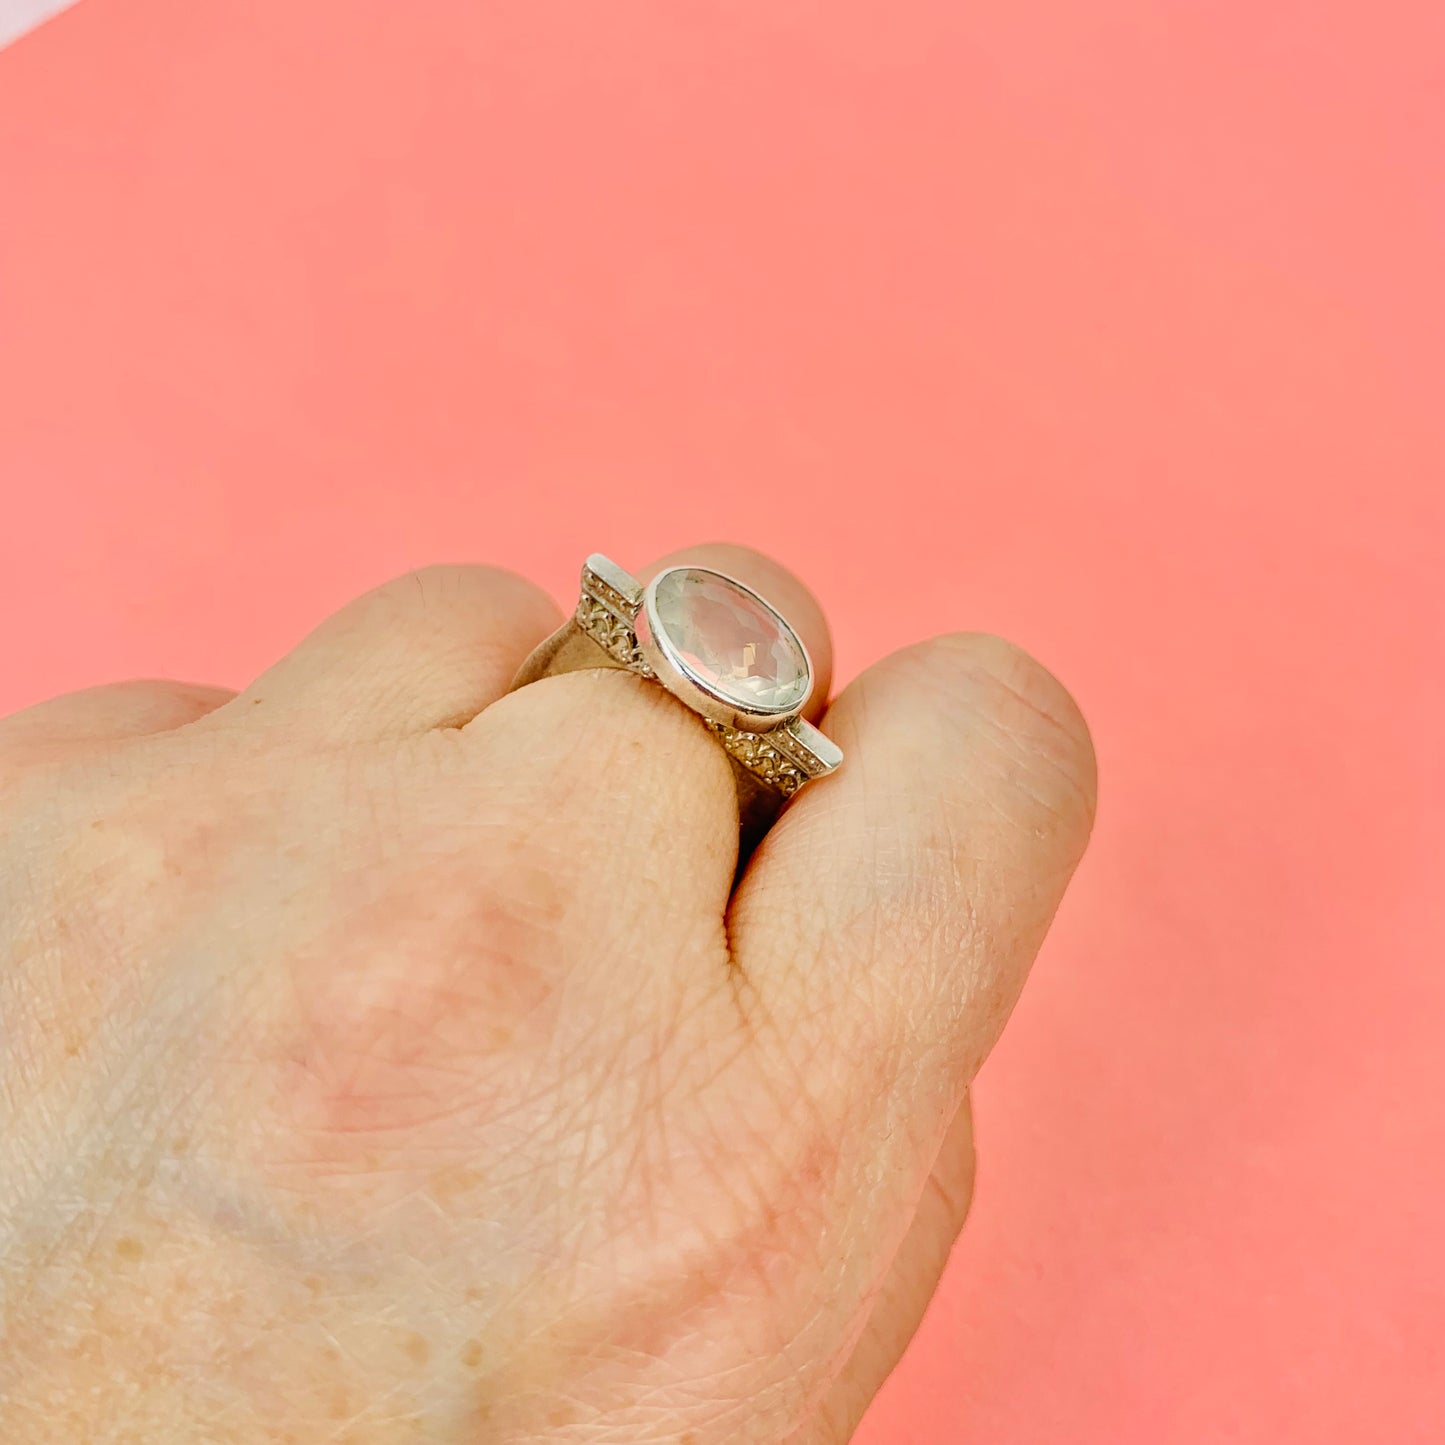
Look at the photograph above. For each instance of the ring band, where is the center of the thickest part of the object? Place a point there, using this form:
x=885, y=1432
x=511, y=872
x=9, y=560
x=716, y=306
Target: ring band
x=721, y=650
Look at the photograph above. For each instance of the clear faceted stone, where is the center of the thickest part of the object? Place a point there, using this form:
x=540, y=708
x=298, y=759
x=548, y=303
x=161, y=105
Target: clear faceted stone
x=732, y=644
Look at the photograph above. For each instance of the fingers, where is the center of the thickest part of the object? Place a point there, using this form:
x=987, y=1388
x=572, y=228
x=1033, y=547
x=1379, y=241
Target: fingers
x=106, y=714
x=633, y=781
x=887, y=923
x=899, y=904
x=427, y=650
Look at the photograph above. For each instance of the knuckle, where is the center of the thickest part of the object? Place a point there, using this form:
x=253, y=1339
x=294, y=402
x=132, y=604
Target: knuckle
x=460, y=585
x=608, y=741
x=1032, y=714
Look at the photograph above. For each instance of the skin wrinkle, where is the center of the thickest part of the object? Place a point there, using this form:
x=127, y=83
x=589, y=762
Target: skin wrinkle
x=596, y=1153
x=950, y=842
x=768, y=1224
x=97, y=1121
x=647, y=1170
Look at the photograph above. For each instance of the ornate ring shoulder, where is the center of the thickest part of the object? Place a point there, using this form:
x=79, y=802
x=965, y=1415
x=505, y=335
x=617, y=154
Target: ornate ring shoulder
x=717, y=646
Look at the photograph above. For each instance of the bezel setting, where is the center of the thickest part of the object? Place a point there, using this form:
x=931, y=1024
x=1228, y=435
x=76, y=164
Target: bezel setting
x=779, y=746
x=690, y=686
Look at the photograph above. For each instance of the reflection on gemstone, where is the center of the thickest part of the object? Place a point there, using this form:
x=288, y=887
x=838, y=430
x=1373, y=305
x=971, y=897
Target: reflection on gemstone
x=733, y=644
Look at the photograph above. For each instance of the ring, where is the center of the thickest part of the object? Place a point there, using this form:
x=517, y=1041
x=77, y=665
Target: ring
x=717, y=647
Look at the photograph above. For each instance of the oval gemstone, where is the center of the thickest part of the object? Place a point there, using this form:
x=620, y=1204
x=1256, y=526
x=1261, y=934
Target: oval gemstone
x=732, y=643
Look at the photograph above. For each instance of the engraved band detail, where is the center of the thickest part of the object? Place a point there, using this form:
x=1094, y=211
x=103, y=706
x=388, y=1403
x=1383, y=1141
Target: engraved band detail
x=785, y=757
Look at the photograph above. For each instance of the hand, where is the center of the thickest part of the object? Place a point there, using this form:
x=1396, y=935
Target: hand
x=388, y=1058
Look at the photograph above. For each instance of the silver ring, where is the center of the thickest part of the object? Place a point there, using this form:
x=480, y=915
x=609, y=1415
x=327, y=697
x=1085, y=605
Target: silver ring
x=723, y=651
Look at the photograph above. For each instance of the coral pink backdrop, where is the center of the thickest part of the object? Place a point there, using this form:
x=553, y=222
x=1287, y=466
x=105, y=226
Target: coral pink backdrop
x=1116, y=328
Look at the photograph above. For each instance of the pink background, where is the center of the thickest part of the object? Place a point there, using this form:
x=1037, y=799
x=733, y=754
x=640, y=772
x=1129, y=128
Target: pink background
x=1115, y=328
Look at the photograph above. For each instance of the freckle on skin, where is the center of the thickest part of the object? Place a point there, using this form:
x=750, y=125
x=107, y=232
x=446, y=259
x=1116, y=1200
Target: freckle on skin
x=471, y=1354
x=313, y=1283
x=418, y=1349
x=446, y=1182
x=128, y=1248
